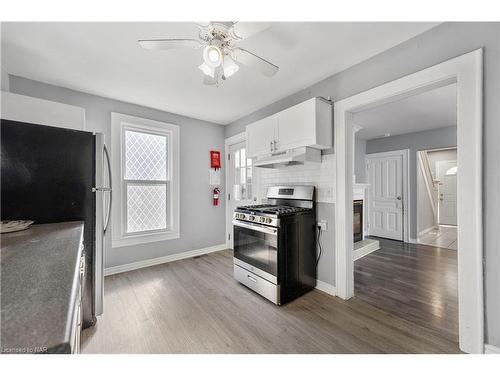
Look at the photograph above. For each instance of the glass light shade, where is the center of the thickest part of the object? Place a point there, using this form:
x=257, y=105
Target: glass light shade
x=212, y=56
x=230, y=67
x=207, y=70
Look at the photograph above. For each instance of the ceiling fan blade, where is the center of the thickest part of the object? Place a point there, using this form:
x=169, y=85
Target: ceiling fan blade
x=253, y=61
x=165, y=44
x=243, y=30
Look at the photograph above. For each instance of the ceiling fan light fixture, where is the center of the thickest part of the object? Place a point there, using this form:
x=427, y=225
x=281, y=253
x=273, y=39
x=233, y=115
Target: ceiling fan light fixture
x=207, y=70
x=229, y=66
x=212, y=55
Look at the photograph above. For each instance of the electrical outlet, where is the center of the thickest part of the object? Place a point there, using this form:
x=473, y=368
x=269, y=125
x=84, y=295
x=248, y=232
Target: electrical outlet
x=323, y=224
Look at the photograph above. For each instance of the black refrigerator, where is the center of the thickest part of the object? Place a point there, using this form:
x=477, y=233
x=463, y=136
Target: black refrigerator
x=51, y=174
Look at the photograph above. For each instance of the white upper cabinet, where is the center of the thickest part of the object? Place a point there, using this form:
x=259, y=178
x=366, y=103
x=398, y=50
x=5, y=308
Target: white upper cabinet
x=261, y=137
x=308, y=124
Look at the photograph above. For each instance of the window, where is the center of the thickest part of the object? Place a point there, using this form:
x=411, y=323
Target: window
x=146, y=168
x=242, y=175
x=452, y=171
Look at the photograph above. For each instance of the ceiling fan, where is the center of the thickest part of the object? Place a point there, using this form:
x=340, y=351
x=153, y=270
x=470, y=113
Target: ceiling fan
x=221, y=56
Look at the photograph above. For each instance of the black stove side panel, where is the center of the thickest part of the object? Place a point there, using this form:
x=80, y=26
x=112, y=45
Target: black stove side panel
x=297, y=256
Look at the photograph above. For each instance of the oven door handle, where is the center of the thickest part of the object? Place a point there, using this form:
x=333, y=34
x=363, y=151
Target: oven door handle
x=256, y=227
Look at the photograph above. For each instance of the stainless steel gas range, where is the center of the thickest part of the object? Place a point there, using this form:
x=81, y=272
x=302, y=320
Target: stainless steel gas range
x=275, y=244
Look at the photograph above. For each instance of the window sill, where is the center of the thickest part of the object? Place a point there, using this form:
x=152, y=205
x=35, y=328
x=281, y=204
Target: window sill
x=144, y=238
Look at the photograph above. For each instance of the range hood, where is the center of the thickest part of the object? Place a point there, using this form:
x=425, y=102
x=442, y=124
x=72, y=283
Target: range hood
x=296, y=156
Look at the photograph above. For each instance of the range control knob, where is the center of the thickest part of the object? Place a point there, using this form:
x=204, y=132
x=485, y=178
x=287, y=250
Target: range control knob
x=262, y=219
x=269, y=220
x=251, y=218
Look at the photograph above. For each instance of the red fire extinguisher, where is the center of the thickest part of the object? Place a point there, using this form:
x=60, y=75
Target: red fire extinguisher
x=216, y=196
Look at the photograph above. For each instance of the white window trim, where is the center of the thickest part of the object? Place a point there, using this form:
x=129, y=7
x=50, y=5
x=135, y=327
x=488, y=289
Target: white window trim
x=119, y=122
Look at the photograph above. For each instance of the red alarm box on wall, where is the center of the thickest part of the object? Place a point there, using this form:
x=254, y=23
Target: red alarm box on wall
x=215, y=159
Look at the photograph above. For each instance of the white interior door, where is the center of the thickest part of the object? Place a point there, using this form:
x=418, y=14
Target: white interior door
x=446, y=172
x=385, y=197
x=241, y=191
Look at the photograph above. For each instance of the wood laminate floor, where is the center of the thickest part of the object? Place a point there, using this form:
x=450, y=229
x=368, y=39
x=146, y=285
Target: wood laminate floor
x=195, y=306
x=415, y=282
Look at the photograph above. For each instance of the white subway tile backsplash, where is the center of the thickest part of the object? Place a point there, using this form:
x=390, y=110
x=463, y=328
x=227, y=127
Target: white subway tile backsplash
x=321, y=175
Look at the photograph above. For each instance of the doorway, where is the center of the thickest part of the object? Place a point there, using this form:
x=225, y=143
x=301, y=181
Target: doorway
x=466, y=72
x=437, y=197
x=400, y=276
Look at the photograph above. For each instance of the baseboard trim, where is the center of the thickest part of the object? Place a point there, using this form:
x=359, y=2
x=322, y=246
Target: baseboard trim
x=165, y=259
x=325, y=287
x=422, y=232
x=370, y=247
x=413, y=240
x=491, y=349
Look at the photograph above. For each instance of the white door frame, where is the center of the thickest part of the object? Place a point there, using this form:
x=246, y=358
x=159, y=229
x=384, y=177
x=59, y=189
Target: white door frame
x=228, y=142
x=467, y=72
x=405, y=153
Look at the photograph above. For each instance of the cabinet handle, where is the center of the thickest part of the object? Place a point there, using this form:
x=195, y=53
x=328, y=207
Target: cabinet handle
x=275, y=145
x=271, y=145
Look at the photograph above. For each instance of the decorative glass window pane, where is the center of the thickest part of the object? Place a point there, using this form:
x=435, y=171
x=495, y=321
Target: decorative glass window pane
x=145, y=156
x=237, y=192
x=249, y=162
x=237, y=159
x=243, y=175
x=237, y=175
x=146, y=207
x=249, y=191
x=249, y=175
x=243, y=157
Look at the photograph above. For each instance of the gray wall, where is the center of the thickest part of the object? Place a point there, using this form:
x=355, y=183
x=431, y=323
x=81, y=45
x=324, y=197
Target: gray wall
x=441, y=43
x=359, y=160
x=426, y=140
x=201, y=224
x=326, y=273
x=4, y=80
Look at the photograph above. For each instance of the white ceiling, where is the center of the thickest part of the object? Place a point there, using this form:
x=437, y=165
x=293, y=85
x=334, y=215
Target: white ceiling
x=105, y=59
x=430, y=110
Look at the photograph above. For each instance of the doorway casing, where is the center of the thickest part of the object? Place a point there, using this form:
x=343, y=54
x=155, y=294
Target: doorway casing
x=466, y=72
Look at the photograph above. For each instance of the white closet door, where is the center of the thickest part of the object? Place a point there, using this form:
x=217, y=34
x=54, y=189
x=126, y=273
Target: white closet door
x=385, y=174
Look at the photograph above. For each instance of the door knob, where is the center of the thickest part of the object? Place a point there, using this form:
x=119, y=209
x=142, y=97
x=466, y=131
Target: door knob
x=399, y=197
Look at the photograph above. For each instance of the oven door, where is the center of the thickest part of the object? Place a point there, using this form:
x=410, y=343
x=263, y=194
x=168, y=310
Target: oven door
x=257, y=245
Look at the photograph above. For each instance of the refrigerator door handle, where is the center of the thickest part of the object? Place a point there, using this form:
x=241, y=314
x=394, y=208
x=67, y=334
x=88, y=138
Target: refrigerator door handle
x=110, y=189
x=98, y=254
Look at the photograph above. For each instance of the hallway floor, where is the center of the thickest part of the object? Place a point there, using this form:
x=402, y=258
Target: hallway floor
x=445, y=237
x=416, y=282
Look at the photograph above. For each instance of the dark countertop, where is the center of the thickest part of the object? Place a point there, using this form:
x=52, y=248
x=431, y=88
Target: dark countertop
x=39, y=287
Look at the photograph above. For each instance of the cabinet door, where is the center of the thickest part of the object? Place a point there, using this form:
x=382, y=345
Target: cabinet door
x=297, y=126
x=260, y=135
